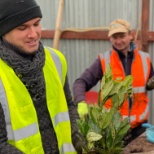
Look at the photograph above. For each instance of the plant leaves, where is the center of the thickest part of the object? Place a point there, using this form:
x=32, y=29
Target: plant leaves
x=117, y=120
x=83, y=127
x=92, y=136
x=104, y=128
x=106, y=89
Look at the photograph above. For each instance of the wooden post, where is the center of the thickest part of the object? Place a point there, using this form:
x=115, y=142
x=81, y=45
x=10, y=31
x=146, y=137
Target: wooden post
x=145, y=24
x=58, y=23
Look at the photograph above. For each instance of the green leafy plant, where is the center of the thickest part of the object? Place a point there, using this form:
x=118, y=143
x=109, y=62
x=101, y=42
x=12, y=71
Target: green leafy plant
x=104, y=128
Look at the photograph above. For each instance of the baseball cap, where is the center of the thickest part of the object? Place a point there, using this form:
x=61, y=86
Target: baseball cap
x=119, y=26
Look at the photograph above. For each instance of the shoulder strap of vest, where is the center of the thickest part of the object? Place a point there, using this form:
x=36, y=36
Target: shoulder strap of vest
x=105, y=56
x=59, y=61
x=144, y=56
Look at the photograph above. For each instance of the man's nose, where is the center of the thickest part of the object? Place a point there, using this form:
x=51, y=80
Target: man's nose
x=32, y=32
x=118, y=40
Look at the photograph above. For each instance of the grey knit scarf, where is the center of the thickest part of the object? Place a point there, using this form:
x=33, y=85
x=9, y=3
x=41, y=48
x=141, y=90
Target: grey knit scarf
x=28, y=67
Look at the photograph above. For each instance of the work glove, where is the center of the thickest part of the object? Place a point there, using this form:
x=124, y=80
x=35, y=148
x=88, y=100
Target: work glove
x=82, y=109
x=79, y=142
x=149, y=132
x=150, y=83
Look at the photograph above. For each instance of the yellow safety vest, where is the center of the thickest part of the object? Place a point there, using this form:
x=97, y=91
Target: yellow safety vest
x=20, y=115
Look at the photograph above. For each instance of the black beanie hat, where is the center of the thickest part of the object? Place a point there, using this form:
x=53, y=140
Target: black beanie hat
x=16, y=12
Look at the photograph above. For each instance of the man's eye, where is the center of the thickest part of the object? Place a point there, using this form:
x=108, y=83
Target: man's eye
x=123, y=36
x=21, y=28
x=37, y=24
x=115, y=36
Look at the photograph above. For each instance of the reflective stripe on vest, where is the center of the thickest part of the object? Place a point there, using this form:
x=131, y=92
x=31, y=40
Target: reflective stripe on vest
x=3, y=101
x=144, y=56
x=139, y=90
x=142, y=116
x=55, y=54
x=25, y=132
x=57, y=62
x=106, y=57
x=61, y=117
x=65, y=147
x=131, y=118
x=58, y=118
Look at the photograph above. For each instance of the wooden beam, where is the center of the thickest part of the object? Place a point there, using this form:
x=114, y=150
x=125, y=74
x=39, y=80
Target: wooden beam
x=90, y=35
x=48, y=34
x=57, y=34
x=145, y=24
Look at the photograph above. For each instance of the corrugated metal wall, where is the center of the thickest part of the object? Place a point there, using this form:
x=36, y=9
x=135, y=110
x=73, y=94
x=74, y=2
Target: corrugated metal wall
x=90, y=13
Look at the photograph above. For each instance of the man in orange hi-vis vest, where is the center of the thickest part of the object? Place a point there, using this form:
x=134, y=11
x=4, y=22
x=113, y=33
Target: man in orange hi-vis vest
x=125, y=59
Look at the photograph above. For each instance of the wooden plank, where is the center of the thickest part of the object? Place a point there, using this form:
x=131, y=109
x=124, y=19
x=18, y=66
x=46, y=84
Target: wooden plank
x=48, y=34
x=57, y=33
x=92, y=35
x=145, y=24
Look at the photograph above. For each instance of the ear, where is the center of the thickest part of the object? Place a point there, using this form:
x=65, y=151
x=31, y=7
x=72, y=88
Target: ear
x=132, y=35
x=110, y=39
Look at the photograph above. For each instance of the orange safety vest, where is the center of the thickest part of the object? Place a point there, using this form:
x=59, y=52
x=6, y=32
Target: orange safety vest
x=140, y=71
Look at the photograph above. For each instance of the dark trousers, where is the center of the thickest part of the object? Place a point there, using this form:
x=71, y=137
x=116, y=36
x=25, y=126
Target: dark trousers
x=137, y=131
x=133, y=134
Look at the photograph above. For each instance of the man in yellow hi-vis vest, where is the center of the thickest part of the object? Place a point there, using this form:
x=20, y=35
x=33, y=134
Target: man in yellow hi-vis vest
x=37, y=115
